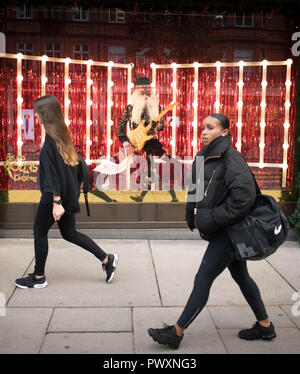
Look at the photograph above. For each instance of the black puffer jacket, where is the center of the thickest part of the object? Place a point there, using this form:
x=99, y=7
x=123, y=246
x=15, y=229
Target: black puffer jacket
x=229, y=189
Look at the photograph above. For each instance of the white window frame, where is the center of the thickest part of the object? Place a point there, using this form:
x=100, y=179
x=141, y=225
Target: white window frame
x=81, y=52
x=82, y=16
x=22, y=11
x=243, y=20
x=51, y=52
x=116, y=15
x=25, y=50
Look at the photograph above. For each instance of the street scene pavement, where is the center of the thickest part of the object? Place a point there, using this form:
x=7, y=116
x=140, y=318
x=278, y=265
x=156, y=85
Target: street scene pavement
x=78, y=313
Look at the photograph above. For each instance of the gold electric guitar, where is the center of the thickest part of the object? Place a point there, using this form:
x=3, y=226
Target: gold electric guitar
x=139, y=136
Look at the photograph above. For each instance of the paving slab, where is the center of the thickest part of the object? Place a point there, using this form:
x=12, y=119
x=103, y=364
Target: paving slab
x=176, y=264
x=76, y=278
x=241, y=317
x=88, y=343
x=293, y=311
x=286, y=261
x=202, y=337
x=22, y=330
x=286, y=342
x=91, y=320
x=176, y=267
x=15, y=257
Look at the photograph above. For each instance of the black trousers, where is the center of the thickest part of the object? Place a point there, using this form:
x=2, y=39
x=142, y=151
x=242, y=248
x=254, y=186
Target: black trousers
x=218, y=256
x=42, y=224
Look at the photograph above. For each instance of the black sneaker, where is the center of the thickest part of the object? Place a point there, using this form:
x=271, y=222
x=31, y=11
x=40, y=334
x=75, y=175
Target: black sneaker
x=258, y=332
x=110, y=267
x=31, y=282
x=167, y=336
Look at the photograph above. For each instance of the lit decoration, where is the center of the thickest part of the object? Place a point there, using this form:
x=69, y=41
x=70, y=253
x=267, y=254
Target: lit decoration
x=66, y=92
x=195, y=111
x=259, y=104
x=218, y=85
x=19, y=106
x=174, y=87
x=109, y=107
x=44, y=82
x=88, y=109
x=288, y=84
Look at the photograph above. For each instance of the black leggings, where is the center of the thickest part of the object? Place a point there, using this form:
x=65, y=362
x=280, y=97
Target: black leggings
x=219, y=255
x=42, y=224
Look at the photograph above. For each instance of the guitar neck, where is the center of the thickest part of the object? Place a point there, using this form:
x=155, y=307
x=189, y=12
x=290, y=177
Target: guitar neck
x=161, y=114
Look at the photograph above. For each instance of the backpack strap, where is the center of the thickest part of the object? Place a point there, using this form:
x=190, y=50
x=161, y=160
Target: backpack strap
x=84, y=178
x=86, y=184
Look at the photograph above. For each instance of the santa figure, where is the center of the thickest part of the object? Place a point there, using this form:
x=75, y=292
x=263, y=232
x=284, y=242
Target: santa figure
x=143, y=105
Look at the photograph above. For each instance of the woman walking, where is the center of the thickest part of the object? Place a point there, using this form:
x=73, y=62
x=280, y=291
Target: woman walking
x=60, y=188
x=229, y=193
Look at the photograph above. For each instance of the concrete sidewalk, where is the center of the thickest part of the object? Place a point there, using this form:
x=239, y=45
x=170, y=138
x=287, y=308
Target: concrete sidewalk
x=79, y=313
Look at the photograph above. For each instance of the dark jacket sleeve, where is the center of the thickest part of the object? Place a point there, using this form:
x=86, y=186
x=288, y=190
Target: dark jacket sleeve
x=121, y=130
x=240, y=183
x=50, y=165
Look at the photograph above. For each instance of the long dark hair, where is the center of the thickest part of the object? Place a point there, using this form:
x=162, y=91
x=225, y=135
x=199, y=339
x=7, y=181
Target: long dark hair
x=50, y=113
x=224, y=121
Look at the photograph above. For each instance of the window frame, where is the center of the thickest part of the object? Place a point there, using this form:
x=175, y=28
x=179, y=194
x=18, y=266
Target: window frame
x=22, y=13
x=243, y=17
x=80, y=14
x=117, y=12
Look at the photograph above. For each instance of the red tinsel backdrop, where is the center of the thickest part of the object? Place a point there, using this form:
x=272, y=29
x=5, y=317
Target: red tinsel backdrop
x=268, y=178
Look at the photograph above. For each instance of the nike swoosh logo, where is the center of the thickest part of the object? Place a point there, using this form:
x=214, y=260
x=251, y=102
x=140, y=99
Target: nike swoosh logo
x=277, y=230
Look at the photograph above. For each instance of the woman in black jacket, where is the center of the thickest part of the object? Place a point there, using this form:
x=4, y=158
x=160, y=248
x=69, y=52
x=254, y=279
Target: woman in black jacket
x=228, y=195
x=59, y=184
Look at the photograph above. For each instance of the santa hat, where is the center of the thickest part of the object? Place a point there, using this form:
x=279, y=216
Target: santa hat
x=142, y=82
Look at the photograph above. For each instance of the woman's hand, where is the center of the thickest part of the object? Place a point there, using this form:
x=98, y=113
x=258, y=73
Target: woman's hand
x=190, y=217
x=57, y=211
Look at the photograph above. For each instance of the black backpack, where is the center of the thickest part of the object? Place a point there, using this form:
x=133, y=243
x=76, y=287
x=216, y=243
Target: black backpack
x=260, y=233
x=84, y=178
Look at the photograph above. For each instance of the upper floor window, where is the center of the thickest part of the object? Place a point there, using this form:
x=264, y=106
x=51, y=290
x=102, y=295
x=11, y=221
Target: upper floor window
x=24, y=11
x=52, y=49
x=81, y=51
x=116, y=15
x=116, y=53
x=244, y=55
x=221, y=20
x=80, y=14
x=223, y=52
x=243, y=19
x=51, y=12
x=25, y=48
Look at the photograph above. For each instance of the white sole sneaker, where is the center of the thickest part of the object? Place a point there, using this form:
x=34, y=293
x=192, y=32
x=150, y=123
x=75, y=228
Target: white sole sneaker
x=115, y=263
x=42, y=285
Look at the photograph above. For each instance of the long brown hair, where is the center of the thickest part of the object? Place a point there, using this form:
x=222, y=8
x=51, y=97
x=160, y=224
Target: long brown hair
x=51, y=116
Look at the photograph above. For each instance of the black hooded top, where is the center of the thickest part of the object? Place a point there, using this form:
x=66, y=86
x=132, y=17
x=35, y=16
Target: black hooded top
x=229, y=189
x=58, y=178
